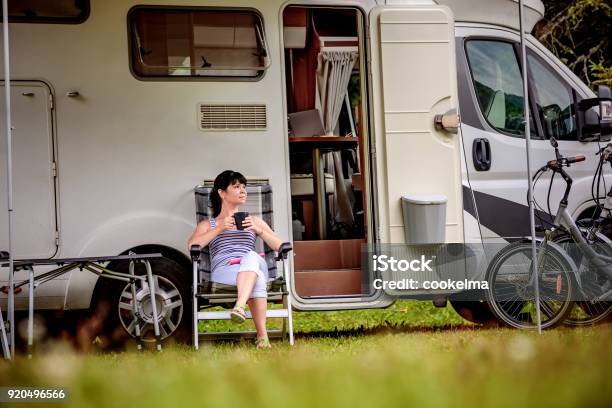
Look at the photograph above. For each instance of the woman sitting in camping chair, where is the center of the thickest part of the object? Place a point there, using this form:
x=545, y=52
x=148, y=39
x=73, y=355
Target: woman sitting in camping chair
x=232, y=250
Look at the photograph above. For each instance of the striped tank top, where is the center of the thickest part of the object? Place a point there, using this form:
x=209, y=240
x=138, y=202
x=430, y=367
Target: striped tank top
x=229, y=245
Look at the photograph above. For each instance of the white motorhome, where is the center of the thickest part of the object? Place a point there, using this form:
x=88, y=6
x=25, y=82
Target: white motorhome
x=122, y=107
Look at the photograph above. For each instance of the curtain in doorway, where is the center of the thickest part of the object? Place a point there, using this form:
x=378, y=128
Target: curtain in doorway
x=334, y=70
x=333, y=75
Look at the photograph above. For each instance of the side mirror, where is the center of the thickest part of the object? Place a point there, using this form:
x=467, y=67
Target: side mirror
x=553, y=142
x=605, y=109
x=594, y=117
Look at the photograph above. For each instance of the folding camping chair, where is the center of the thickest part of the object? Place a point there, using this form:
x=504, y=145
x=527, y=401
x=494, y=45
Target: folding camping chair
x=207, y=294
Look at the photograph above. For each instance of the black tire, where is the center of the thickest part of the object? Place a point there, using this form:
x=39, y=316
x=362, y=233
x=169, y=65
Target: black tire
x=114, y=309
x=511, y=297
x=586, y=313
x=475, y=311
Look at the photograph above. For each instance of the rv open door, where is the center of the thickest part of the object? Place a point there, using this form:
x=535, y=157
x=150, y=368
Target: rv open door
x=413, y=80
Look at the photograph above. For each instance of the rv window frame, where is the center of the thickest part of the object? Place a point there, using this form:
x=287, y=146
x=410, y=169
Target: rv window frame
x=533, y=93
x=536, y=120
x=132, y=53
x=55, y=20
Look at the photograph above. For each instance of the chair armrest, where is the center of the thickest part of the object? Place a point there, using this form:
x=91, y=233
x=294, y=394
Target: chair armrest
x=195, y=251
x=4, y=255
x=283, y=250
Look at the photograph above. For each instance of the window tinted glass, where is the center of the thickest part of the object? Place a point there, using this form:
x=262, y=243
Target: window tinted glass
x=47, y=11
x=498, y=84
x=554, y=101
x=197, y=43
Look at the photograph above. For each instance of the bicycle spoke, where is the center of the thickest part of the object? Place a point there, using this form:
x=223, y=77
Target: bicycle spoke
x=548, y=311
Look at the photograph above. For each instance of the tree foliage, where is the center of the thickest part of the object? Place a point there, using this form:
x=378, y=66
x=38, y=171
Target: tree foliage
x=579, y=33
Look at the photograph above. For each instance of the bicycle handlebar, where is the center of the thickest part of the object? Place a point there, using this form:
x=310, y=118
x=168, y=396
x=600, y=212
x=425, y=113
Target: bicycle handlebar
x=557, y=167
x=564, y=162
x=576, y=159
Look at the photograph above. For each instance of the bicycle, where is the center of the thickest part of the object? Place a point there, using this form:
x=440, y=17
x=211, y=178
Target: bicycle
x=589, y=310
x=510, y=274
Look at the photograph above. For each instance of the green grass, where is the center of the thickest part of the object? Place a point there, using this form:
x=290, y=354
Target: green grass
x=409, y=314
x=407, y=355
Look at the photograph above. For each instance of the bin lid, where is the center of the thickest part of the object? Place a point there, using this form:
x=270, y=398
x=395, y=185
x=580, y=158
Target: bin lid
x=425, y=199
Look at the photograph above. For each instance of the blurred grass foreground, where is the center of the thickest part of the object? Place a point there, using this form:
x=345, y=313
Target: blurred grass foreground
x=408, y=355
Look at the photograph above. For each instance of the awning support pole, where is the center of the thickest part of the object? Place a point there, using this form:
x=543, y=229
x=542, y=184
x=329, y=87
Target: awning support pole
x=9, y=174
x=534, y=257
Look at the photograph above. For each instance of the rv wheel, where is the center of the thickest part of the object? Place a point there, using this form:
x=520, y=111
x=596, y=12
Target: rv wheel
x=171, y=299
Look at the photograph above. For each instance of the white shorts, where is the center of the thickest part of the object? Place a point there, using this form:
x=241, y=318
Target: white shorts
x=251, y=261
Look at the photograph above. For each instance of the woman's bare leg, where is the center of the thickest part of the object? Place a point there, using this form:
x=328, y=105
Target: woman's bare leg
x=245, y=281
x=258, y=307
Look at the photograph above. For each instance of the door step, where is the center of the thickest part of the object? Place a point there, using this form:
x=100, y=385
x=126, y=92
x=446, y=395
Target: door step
x=225, y=315
x=328, y=282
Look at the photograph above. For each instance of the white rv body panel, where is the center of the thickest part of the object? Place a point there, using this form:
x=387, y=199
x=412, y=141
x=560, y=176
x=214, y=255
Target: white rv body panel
x=503, y=13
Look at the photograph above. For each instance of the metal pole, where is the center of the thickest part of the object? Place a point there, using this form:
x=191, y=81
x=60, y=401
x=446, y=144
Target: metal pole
x=30, y=310
x=534, y=257
x=9, y=174
x=194, y=299
x=3, y=340
x=135, y=307
x=287, y=273
x=153, y=304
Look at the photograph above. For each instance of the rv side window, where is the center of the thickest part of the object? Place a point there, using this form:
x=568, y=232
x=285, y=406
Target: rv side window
x=554, y=101
x=45, y=11
x=498, y=84
x=197, y=42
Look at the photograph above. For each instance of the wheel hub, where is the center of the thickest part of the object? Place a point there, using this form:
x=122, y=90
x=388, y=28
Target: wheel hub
x=168, y=302
x=145, y=307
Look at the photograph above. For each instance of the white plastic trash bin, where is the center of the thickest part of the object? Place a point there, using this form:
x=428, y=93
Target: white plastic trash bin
x=424, y=218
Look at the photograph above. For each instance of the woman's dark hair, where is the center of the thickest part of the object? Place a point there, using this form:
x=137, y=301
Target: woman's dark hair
x=222, y=182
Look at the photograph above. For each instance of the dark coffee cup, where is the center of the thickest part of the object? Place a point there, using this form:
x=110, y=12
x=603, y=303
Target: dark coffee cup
x=239, y=216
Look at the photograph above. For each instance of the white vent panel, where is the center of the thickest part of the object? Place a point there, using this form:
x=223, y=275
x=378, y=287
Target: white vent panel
x=232, y=117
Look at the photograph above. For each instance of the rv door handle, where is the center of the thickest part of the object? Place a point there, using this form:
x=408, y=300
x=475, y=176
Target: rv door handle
x=481, y=153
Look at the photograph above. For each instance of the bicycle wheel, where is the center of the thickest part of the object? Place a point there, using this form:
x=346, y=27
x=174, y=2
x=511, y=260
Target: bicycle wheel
x=511, y=294
x=587, y=312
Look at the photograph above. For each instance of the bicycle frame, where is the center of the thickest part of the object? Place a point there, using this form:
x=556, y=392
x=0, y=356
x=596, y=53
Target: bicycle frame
x=563, y=219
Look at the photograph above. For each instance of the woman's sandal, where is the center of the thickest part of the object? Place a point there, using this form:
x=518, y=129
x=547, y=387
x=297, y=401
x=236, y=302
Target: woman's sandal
x=237, y=315
x=262, y=343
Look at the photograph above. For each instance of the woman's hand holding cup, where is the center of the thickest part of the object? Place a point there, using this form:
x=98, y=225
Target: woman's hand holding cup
x=251, y=224
x=228, y=224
